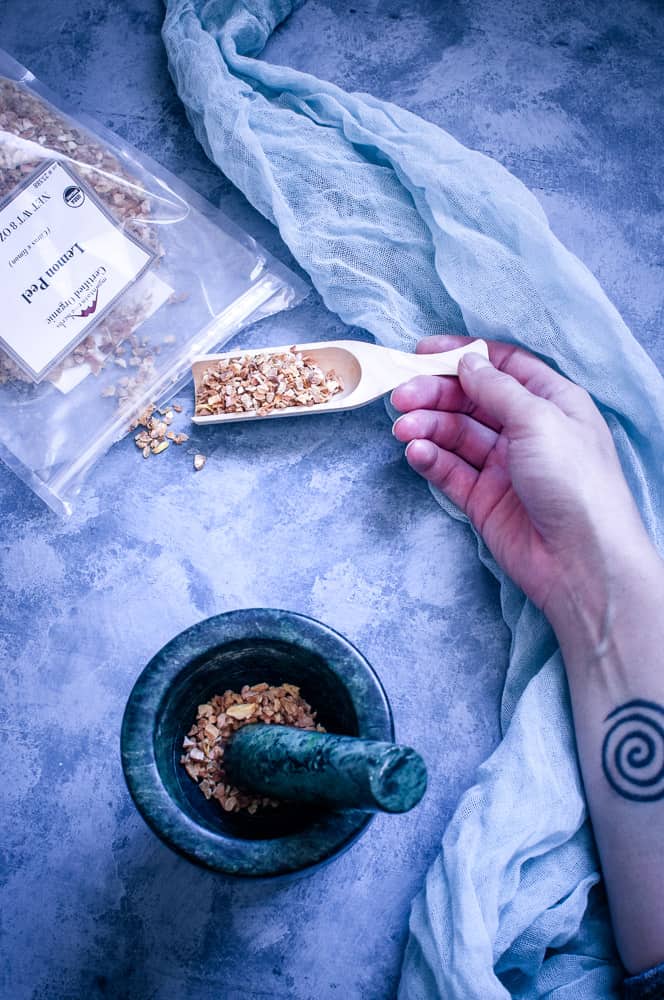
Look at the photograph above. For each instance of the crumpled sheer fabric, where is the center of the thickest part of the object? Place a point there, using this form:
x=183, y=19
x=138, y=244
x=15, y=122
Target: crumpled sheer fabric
x=407, y=233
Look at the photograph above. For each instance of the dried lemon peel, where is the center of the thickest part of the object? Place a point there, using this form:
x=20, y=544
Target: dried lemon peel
x=31, y=128
x=219, y=718
x=264, y=382
x=155, y=436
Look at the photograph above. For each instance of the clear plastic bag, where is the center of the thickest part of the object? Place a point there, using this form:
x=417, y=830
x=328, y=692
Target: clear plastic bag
x=113, y=275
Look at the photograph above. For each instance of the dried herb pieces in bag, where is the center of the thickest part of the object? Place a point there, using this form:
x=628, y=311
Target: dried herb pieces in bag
x=113, y=275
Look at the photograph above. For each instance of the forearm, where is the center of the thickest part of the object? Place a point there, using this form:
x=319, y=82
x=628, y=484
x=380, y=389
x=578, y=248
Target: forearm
x=527, y=456
x=610, y=626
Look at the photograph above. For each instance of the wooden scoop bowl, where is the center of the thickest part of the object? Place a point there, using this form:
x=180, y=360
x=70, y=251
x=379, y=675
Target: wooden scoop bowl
x=368, y=372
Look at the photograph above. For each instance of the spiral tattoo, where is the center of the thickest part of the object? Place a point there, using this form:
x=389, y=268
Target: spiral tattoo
x=633, y=751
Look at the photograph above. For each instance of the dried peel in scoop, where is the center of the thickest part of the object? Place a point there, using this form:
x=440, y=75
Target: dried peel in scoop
x=264, y=382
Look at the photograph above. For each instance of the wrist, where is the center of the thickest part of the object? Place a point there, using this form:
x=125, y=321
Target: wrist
x=598, y=605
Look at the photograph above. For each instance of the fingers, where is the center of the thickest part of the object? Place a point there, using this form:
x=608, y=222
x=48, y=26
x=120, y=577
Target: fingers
x=514, y=360
x=533, y=373
x=503, y=396
x=444, y=342
x=475, y=493
x=436, y=392
x=444, y=470
x=453, y=432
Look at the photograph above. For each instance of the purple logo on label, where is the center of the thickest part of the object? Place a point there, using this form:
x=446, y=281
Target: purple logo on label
x=92, y=308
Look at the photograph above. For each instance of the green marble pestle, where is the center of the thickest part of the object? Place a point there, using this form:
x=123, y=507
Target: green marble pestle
x=343, y=772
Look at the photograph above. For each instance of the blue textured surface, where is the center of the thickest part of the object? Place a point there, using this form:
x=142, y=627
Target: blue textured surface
x=319, y=515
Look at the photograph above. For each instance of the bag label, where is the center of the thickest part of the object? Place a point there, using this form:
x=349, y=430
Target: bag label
x=64, y=261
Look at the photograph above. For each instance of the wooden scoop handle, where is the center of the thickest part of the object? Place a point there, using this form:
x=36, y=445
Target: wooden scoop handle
x=446, y=363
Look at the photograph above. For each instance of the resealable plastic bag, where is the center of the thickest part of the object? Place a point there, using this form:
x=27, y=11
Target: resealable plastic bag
x=113, y=275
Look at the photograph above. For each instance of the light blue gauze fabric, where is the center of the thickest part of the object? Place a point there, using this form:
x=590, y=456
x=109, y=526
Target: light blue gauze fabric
x=406, y=233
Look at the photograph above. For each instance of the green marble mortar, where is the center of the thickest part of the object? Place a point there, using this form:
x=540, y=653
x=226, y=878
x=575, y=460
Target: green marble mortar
x=228, y=651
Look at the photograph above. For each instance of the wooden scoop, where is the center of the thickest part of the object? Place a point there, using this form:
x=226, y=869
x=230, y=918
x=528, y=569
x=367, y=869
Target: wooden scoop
x=367, y=370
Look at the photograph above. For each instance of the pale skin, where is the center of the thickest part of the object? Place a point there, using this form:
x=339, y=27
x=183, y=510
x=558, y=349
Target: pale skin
x=528, y=457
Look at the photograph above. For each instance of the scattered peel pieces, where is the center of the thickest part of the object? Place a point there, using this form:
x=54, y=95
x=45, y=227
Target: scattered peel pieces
x=154, y=434
x=199, y=462
x=219, y=718
x=261, y=383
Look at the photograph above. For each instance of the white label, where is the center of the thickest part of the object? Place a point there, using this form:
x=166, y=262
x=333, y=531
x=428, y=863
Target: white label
x=63, y=263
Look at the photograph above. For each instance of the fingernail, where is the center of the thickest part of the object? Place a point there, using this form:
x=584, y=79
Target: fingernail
x=409, y=447
x=394, y=425
x=473, y=361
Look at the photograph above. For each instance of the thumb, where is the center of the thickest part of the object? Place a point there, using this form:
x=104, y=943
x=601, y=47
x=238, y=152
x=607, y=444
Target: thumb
x=499, y=394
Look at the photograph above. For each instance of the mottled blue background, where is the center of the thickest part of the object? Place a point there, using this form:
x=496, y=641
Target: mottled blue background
x=319, y=515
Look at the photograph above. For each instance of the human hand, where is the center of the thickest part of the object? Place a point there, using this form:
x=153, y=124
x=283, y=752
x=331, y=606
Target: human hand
x=528, y=457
